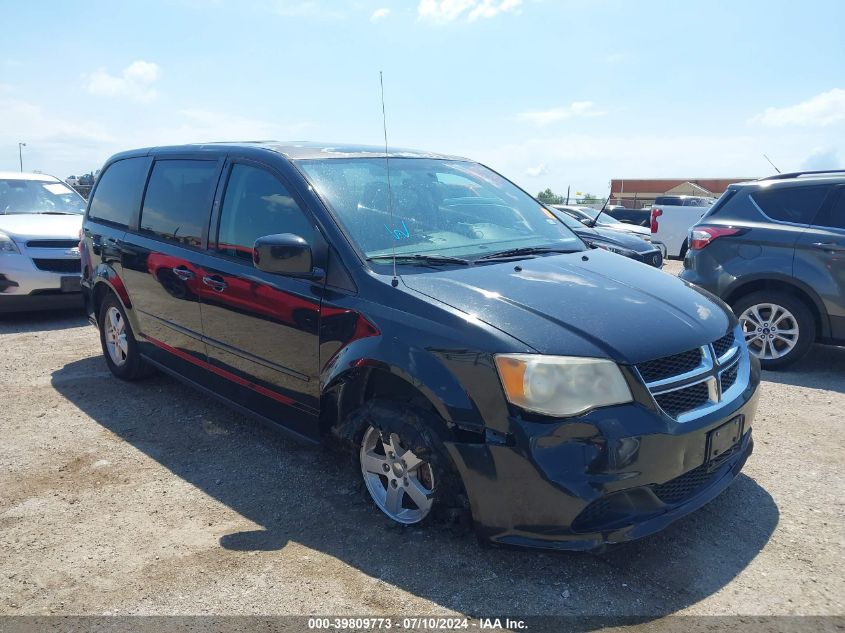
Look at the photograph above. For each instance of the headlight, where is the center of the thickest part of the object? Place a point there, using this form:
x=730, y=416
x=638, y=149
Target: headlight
x=561, y=385
x=7, y=245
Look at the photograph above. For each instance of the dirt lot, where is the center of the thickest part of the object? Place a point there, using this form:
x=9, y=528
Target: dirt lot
x=150, y=498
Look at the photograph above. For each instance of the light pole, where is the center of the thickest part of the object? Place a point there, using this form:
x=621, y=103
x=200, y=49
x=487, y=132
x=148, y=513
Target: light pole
x=20, y=153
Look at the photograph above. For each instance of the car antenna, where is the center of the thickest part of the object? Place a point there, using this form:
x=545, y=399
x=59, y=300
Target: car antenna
x=606, y=200
x=395, y=281
x=771, y=163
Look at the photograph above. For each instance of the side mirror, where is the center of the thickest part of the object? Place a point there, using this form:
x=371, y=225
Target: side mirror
x=283, y=254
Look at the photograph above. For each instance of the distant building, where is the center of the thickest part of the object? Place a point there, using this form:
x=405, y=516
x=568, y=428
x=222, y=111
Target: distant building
x=640, y=192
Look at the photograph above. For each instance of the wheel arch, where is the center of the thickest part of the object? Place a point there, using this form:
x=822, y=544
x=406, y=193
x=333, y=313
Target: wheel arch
x=106, y=280
x=789, y=285
x=370, y=377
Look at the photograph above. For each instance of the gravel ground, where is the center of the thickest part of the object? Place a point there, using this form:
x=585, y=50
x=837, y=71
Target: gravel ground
x=149, y=498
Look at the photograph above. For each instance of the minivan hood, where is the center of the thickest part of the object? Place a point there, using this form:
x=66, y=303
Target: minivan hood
x=27, y=226
x=590, y=303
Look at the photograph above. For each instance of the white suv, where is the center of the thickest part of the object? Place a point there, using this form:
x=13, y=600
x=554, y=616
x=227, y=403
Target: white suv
x=40, y=219
x=673, y=216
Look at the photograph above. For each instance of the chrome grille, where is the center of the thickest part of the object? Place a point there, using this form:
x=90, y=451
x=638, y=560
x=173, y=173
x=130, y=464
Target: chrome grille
x=689, y=384
x=670, y=366
x=723, y=345
x=674, y=403
x=729, y=377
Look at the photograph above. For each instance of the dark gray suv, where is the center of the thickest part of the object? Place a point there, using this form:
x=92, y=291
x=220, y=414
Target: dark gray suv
x=774, y=249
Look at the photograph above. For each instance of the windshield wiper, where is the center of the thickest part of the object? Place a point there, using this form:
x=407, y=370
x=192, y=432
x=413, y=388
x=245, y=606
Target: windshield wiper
x=423, y=259
x=525, y=252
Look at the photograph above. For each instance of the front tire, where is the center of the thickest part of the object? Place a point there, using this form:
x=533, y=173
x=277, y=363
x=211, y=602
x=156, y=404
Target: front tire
x=779, y=328
x=120, y=348
x=406, y=470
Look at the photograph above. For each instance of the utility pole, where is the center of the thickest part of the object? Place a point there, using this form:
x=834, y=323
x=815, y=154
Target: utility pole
x=20, y=153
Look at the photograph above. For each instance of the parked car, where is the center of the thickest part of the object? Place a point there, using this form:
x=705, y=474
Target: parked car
x=595, y=217
x=774, y=249
x=629, y=215
x=620, y=242
x=434, y=319
x=673, y=216
x=40, y=220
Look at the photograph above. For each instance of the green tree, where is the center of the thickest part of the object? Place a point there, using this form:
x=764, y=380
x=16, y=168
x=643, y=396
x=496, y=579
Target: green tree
x=588, y=198
x=549, y=197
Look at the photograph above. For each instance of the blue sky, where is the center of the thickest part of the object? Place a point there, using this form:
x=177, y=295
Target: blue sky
x=550, y=93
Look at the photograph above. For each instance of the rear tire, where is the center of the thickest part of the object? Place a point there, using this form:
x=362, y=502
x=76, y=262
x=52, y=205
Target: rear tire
x=120, y=348
x=779, y=328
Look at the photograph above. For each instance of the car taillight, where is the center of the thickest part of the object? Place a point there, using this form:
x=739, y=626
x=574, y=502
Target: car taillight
x=655, y=213
x=701, y=236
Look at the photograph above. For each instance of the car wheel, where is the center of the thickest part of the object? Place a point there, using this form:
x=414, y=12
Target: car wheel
x=119, y=345
x=405, y=468
x=779, y=328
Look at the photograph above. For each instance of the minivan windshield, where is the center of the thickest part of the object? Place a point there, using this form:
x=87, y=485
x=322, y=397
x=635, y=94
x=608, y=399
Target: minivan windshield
x=18, y=195
x=440, y=207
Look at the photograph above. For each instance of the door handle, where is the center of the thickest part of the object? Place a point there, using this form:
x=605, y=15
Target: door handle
x=183, y=273
x=830, y=246
x=215, y=282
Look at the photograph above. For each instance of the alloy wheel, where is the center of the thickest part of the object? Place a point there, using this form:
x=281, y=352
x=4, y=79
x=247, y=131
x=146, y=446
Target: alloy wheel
x=771, y=331
x=115, y=336
x=400, y=483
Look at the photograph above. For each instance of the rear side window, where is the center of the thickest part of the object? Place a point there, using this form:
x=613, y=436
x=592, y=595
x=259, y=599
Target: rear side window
x=178, y=199
x=669, y=201
x=119, y=189
x=257, y=204
x=697, y=202
x=791, y=204
x=834, y=215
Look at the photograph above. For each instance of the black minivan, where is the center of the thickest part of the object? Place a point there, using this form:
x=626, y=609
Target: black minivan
x=425, y=313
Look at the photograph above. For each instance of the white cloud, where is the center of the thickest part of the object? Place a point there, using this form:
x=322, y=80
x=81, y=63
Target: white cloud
x=134, y=82
x=379, y=14
x=825, y=108
x=541, y=118
x=537, y=170
x=822, y=158
x=60, y=144
x=587, y=162
x=199, y=125
x=450, y=10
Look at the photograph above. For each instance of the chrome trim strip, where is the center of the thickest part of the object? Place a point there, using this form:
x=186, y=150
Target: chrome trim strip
x=705, y=366
x=724, y=358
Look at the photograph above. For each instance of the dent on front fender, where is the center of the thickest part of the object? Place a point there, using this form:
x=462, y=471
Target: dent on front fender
x=422, y=368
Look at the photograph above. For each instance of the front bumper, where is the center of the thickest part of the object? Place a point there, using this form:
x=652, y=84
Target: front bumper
x=571, y=485
x=25, y=287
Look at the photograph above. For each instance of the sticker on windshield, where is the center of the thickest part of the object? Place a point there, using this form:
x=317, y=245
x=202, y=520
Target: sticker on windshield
x=399, y=234
x=56, y=188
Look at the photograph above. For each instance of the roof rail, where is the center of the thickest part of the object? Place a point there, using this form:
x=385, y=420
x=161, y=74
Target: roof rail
x=796, y=174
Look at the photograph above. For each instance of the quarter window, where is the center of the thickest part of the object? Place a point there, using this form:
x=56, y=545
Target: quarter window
x=834, y=215
x=257, y=204
x=178, y=198
x=793, y=204
x=118, y=193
